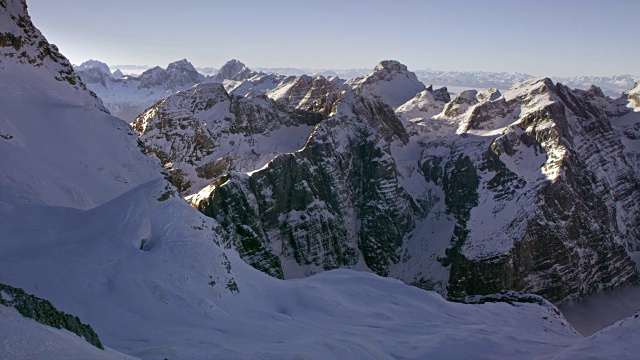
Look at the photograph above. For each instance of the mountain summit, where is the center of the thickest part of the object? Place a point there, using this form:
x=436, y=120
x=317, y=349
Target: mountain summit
x=390, y=82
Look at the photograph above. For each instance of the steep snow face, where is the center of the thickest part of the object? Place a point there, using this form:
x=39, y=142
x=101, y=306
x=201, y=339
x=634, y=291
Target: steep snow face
x=127, y=97
x=390, y=82
x=202, y=133
x=38, y=114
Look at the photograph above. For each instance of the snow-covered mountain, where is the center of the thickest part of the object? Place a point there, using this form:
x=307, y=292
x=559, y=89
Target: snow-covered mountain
x=390, y=82
x=90, y=224
x=128, y=96
x=455, y=194
x=203, y=132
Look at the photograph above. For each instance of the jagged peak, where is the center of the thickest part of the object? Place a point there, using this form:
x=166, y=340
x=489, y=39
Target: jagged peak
x=234, y=63
x=231, y=69
x=390, y=66
x=595, y=91
x=94, y=64
x=389, y=82
x=183, y=64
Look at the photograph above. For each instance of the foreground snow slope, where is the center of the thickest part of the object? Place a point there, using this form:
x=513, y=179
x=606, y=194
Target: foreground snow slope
x=25, y=339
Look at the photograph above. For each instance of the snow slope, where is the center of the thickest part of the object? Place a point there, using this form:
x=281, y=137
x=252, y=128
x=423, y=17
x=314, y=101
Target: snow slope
x=26, y=339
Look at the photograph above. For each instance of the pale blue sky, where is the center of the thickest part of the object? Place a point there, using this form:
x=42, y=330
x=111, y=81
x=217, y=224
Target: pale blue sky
x=543, y=37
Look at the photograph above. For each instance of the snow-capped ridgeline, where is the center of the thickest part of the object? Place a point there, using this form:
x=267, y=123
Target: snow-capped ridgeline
x=128, y=96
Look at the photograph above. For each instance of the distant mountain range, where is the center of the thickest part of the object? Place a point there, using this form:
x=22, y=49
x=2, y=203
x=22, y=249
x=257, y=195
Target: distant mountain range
x=131, y=88
x=612, y=86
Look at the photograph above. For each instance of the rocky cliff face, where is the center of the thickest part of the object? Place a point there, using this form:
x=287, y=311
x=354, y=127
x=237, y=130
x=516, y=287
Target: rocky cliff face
x=335, y=203
x=203, y=133
x=532, y=190
x=554, y=201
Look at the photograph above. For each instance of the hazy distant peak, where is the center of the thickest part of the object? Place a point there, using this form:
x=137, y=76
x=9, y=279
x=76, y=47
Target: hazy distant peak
x=390, y=66
x=389, y=82
x=183, y=64
x=231, y=69
x=94, y=64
